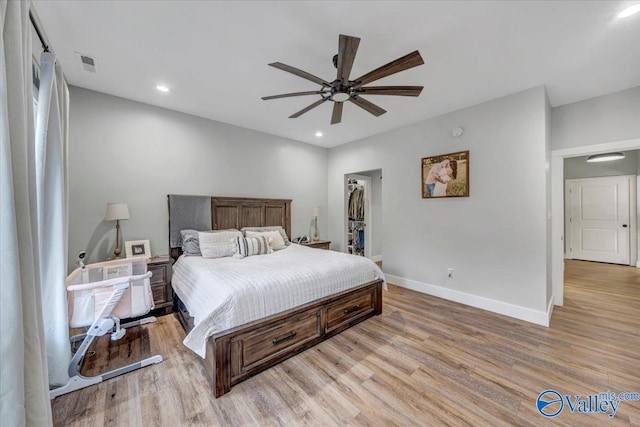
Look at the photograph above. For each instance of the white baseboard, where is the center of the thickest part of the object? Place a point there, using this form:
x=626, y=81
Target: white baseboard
x=376, y=258
x=511, y=310
x=638, y=264
x=549, y=311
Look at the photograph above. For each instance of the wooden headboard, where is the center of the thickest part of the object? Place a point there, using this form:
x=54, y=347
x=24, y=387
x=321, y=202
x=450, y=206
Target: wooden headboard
x=239, y=212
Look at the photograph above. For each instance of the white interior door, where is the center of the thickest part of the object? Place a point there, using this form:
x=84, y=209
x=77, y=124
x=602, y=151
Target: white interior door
x=599, y=219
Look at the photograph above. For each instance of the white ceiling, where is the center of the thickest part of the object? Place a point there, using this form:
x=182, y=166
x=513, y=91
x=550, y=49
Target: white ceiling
x=214, y=55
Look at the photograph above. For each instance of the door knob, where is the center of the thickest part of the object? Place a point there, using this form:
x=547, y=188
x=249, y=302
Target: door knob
x=624, y=225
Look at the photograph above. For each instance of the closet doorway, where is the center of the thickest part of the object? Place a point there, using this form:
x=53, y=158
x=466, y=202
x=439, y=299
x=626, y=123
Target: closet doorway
x=363, y=214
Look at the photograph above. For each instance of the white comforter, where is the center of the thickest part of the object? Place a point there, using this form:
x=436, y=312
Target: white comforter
x=223, y=293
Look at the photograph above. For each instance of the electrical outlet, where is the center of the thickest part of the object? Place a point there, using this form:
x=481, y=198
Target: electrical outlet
x=450, y=273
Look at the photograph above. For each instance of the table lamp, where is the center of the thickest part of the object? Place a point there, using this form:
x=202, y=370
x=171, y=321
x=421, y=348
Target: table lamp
x=316, y=214
x=116, y=212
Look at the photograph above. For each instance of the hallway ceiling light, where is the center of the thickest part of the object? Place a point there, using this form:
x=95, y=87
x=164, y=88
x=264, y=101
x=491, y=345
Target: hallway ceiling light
x=162, y=88
x=631, y=10
x=605, y=157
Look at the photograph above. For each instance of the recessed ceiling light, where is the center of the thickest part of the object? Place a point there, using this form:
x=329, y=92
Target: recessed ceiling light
x=162, y=88
x=319, y=134
x=631, y=10
x=605, y=157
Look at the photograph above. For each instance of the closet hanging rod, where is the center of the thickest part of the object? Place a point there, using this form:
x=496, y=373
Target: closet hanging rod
x=38, y=32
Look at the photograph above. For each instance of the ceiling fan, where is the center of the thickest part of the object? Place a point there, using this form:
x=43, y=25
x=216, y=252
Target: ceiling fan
x=342, y=89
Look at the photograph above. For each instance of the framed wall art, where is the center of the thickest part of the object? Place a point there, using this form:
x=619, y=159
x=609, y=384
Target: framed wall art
x=445, y=175
x=137, y=248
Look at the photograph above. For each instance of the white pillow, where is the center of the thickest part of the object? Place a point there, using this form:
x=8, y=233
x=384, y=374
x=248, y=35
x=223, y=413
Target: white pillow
x=269, y=228
x=217, y=245
x=277, y=242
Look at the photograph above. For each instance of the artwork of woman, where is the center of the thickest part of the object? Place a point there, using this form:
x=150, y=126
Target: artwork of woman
x=446, y=174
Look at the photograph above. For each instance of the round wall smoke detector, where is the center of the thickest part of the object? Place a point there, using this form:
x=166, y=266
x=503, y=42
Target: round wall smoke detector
x=457, y=132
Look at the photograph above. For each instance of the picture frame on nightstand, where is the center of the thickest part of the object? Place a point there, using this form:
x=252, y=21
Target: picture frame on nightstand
x=137, y=249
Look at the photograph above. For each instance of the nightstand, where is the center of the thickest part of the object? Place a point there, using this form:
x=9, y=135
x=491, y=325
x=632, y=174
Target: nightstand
x=161, y=283
x=319, y=244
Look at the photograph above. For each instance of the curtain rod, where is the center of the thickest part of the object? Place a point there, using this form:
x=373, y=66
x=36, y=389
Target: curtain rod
x=35, y=27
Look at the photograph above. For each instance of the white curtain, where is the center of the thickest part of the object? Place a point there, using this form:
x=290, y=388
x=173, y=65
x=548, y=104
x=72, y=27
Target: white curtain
x=51, y=176
x=24, y=397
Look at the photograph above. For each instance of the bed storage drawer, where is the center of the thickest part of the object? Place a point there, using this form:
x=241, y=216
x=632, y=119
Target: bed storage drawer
x=274, y=340
x=237, y=354
x=343, y=311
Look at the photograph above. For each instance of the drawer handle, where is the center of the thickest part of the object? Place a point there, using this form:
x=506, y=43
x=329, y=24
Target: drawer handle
x=351, y=310
x=277, y=341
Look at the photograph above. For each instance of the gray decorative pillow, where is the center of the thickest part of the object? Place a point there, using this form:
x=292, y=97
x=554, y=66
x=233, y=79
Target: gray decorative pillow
x=270, y=228
x=190, y=243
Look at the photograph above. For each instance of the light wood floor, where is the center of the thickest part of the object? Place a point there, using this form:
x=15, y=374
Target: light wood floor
x=425, y=361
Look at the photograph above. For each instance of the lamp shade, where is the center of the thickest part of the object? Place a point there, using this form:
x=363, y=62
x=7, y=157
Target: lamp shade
x=316, y=211
x=116, y=211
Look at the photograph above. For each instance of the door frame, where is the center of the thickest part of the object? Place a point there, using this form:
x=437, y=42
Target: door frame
x=633, y=215
x=557, y=204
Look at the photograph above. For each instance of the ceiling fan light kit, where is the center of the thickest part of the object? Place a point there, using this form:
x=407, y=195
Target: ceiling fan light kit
x=342, y=89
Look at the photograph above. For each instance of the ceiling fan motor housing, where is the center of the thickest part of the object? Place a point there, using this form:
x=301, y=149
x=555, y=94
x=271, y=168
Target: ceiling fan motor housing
x=341, y=92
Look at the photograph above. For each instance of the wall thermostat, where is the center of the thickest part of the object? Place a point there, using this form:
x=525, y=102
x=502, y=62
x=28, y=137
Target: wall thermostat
x=457, y=132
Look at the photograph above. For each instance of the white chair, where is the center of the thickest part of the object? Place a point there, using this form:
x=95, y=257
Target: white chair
x=99, y=298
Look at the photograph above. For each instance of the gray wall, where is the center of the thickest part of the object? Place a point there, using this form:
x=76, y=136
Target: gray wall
x=496, y=238
x=127, y=152
x=577, y=167
x=608, y=118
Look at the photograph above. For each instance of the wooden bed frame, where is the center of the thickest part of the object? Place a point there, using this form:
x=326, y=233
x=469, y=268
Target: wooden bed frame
x=239, y=353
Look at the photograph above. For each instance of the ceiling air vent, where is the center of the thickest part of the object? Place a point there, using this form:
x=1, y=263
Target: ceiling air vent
x=88, y=63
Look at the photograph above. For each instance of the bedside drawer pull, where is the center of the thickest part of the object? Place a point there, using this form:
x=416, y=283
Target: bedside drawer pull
x=351, y=310
x=277, y=341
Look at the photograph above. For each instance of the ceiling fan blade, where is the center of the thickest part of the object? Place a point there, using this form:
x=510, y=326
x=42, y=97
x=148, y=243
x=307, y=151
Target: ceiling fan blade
x=391, y=90
x=336, y=116
x=300, y=73
x=408, y=61
x=287, y=95
x=347, y=48
x=368, y=106
x=310, y=107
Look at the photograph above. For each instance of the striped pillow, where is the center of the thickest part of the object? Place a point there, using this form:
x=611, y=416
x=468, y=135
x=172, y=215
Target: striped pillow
x=248, y=246
x=277, y=242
